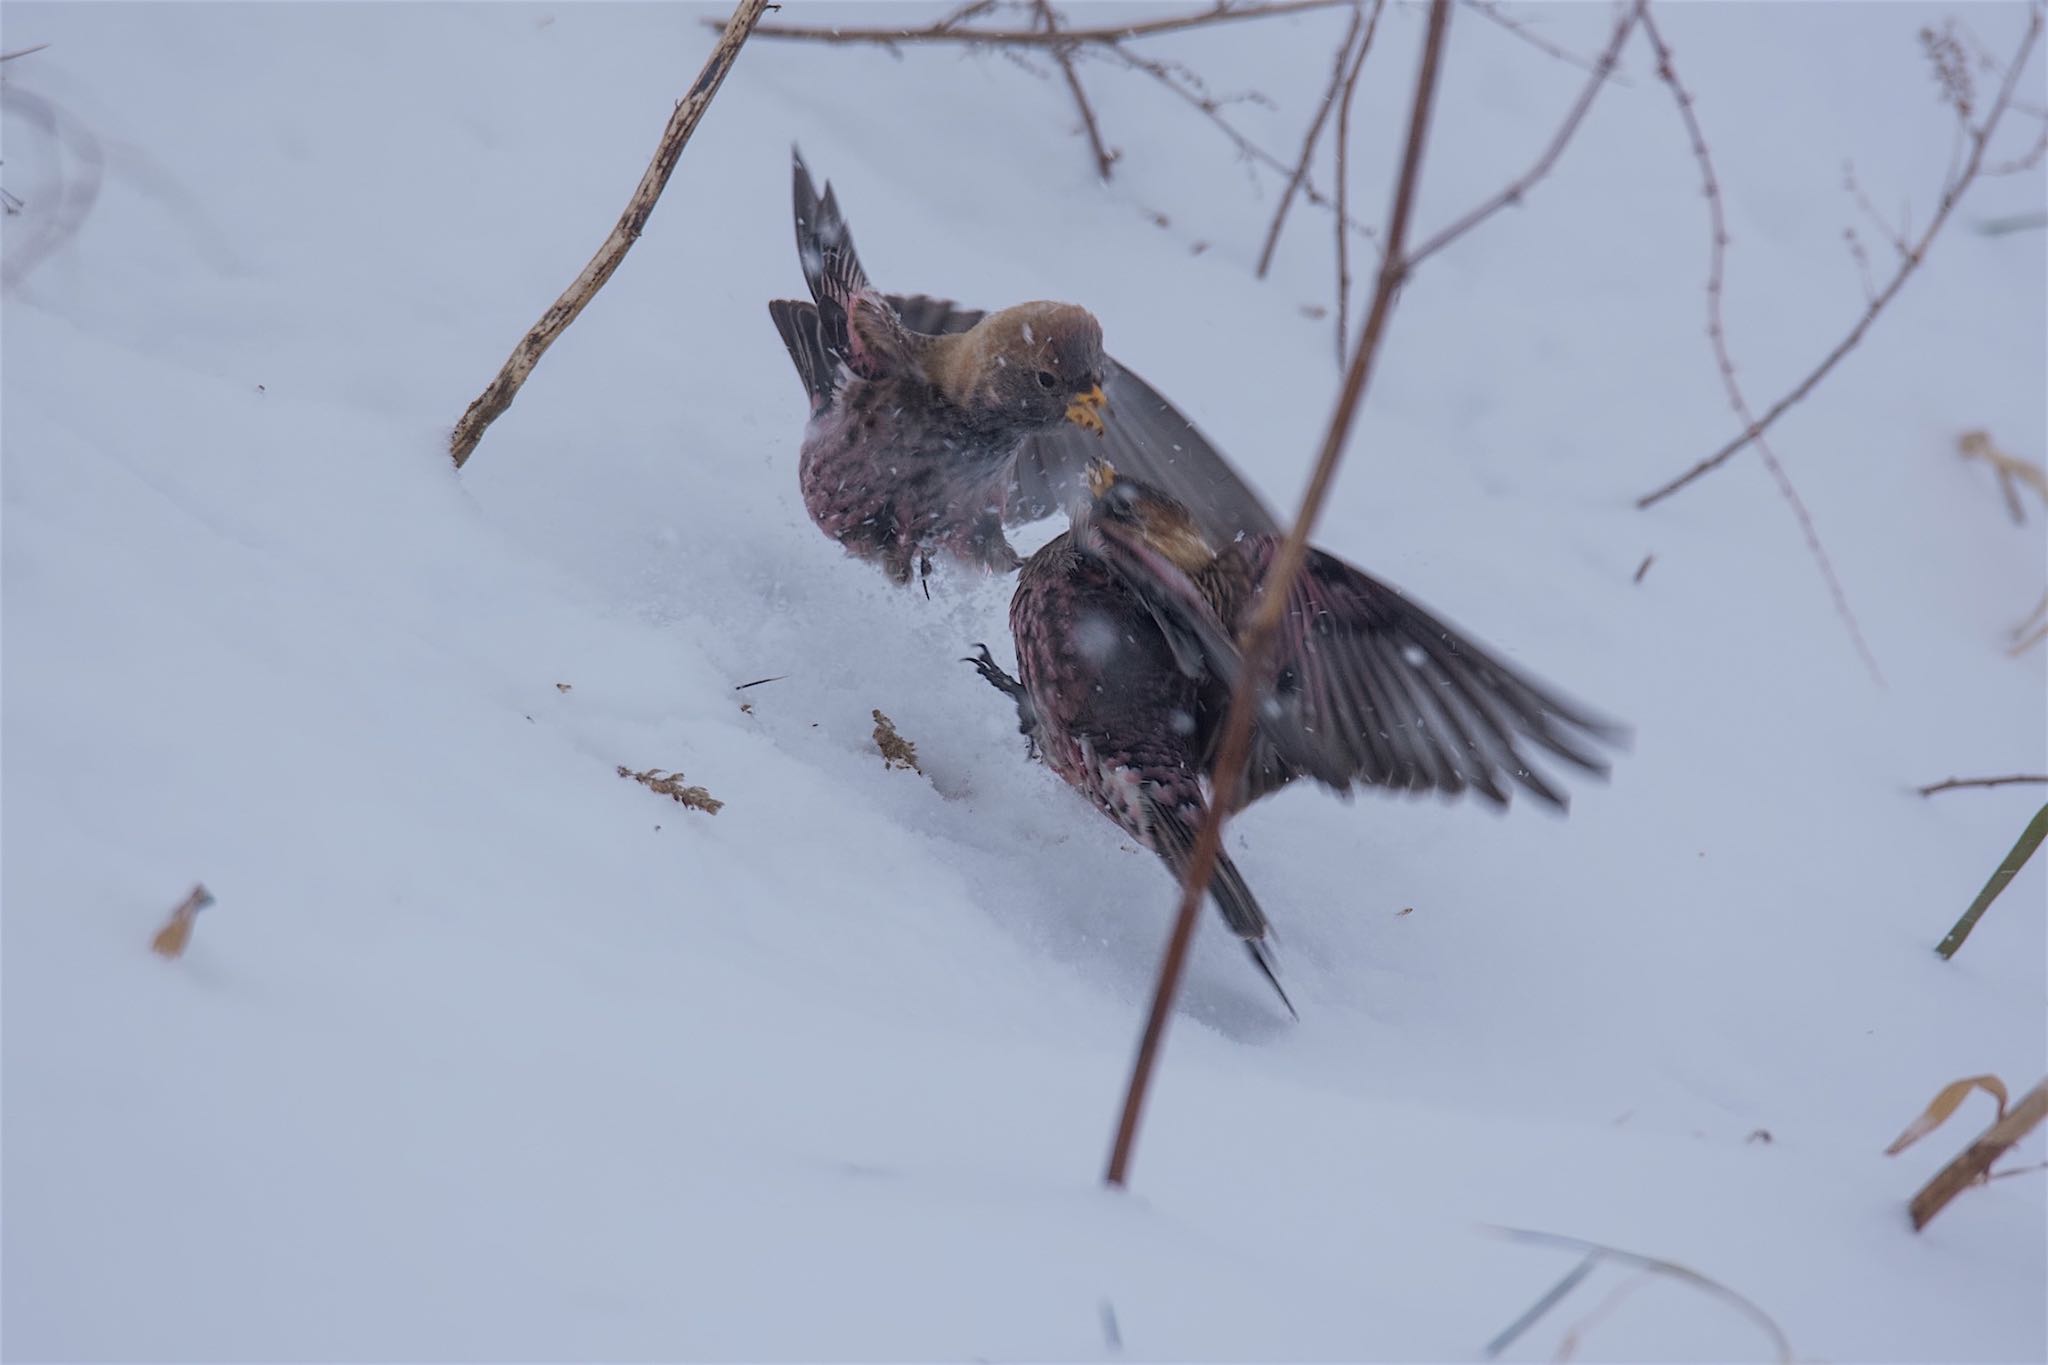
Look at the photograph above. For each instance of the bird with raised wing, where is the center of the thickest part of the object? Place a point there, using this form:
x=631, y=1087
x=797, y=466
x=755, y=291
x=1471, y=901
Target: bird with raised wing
x=1129, y=630
x=934, y=427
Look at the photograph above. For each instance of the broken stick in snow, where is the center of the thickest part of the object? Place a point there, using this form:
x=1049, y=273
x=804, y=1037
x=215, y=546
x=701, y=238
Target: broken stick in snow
x=689, y=111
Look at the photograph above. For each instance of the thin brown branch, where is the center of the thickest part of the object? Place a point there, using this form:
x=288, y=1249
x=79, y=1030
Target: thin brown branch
x=1259, y=639
x=1536, y=40
x=1717, y=334
x=950, y=30
x=1603, y=67
x=1343, y=174
x=1210, y=108
x=1314, y=135
x=1952, y=194
x=1975, y=1161
x=1854, y=187
x=689, y=111
x=1064, y=55
x=1951, y=784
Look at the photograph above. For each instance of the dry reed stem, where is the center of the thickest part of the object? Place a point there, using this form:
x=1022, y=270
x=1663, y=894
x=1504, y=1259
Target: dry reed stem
x=1258, y=644
x=1717, y=334
x=1314, y=136
x=1974, y=1164
x=1683, y=1273
x=1979, y=137
x=682, y=122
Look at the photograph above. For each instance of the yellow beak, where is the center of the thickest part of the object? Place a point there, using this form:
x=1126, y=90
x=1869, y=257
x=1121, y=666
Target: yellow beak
x=1086, y=410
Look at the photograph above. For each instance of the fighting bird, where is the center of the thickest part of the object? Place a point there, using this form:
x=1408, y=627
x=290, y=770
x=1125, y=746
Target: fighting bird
x=933, y=427
x=1129, y=630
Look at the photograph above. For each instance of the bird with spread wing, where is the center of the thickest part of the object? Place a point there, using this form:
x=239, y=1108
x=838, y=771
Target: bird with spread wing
x=934, y=427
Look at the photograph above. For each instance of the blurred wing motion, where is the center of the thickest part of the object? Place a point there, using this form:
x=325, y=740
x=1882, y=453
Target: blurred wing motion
x=1367, y=687
x=1148, y=440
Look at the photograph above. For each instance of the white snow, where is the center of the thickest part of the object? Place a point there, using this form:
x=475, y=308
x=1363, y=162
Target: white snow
x=487, y=1053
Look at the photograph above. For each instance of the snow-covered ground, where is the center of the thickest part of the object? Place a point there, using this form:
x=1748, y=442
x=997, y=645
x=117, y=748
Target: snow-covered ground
x=486, y=1053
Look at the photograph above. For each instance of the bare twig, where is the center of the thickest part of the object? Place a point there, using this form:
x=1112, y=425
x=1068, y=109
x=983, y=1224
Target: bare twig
x=2011, y=470
x=1259, y=639
x=1064, y=55
x=1717, y=334
x=1854, y=188
x=1976, y=1159
x=1951, y=784
x=1536, y=40
x=1180, y=83
x=951, y=30
x=896, y=751
x=1779, y=1341
x=22, y=52
x=1643, y=568
x=1952, y=194
x=1343, y=175
x=1603, y=67
x=689, y=111
x=1314, y=136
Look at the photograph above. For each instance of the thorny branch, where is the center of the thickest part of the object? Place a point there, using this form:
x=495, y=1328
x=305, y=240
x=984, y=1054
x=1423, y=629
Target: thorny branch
x=1235, y=745
x=689, y=111
x=1978, y=137
x=1717, y=334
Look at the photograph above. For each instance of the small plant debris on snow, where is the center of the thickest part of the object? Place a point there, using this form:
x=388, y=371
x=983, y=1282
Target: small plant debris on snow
x=897, y=752
x=1973, y=1166
x=170, y=940
x=671, y=786
x=2012, y=471
x=564, y=687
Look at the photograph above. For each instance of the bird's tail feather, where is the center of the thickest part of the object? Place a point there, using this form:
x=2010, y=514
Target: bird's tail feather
x=817, y=333
x=1174, y=838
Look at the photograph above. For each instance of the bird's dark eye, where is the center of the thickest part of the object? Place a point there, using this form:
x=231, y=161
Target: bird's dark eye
x=1046, y=379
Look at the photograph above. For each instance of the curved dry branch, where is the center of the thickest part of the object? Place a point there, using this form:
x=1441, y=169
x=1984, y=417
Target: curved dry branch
x=689, y=111
x=1952, y=194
